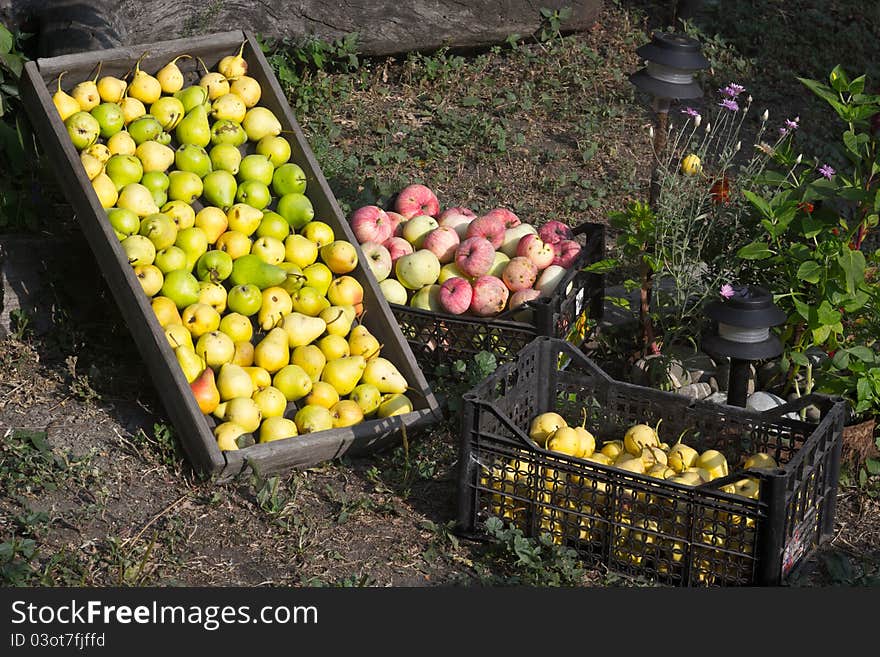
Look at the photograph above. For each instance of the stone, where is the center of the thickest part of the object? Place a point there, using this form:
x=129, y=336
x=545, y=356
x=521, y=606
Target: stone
x=653, y=371
x=763, y=401
x=695, y=390
x=700, y=365
x=717, y=398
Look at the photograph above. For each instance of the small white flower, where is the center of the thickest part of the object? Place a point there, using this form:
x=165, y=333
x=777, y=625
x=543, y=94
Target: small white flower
x=651, y=131
x=738, y=146
x=765, y=116
x=708, y=127
x=798, y=159
x=697, y=121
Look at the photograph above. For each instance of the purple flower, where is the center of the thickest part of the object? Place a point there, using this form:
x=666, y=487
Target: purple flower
x=726, y=291
x=791, y=125
x=732, y=90
x=690, y=111
x=826, y=171
x=729, y=104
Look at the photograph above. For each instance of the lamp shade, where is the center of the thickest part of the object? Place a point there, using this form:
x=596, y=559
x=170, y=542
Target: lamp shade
x=744, y=322
x=671, y=60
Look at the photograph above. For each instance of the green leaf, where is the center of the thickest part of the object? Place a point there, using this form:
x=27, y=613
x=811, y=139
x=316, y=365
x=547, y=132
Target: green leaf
x=601, y=266
x=827, y=315
x=13, y=62
x=853, y=265
x=872, y=466
x=6, y=40
x=821, y=334
x=838, y=78
x=851, y=143
x=810, y=271
x=857, y=86
x=840, y=360
x=798, y=358
x=863, y=389
x=759, y=203
x=754, y=251
x=802, y=308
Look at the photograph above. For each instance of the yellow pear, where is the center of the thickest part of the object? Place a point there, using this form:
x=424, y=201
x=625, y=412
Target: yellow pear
x=383, y=374
x=233, y=66
x=394, y=403
x=122, y=144
x=216, y=348
x=338, y=319
x=587, y=439
x=566, y=441
x=86, y=93
x=681, y=456
x=612, y=448
x=346, y=413
x=639, y=436
x=166, y=311
x=310, y=358
x=368, y=397
x=293, y=381
x=345, y=373
x=248, y=89
x=178, y=336
x=229, y=107
x=244, y=218
x=271, y=401
x=302, y=329
x=66, y=104
x=652, y=456
x=144, y=86
x=363, y=343
x=216, y=84
x=111, y=89
x=155, y=156
x=713, y=462
x=233, y=381
x=132, y=109
x=275, y=307
x=333, y=346
x=244, y=353
x=91, y=164
x=323, y=394
x=170, y=76
x=200, y=318
x=760, y=461
x=272, y=352
x=242, y=411
x=99, y=151
x=259, y=377
x=310, y=419
x=105, y=188
x=227, y=434
x=702, y=473
x=545, y=424
x=277, y=428
x=190, y=362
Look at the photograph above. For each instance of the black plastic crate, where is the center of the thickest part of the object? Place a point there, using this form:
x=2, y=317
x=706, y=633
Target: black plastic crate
x=635, y=524
x=437, y=338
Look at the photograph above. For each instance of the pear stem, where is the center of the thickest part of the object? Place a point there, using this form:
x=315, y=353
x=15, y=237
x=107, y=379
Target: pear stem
x=201, y=61
x=58, y=80
x=97, y=72
x=185, y=56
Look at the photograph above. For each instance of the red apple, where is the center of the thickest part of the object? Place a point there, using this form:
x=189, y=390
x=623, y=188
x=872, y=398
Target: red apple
x=488, y=226
x=396, y=222
x=458, y=218
x=490, y=296
x=509, y=218
x=416, y=199
x=475, y=256
x=397, y=246
x=442, y=242
x=534, y=248
x=370, y=223
x=554, y=232
x=456, y=295
x=567, y=251
x=520, y=297
x=378, y=258
x=519, y=274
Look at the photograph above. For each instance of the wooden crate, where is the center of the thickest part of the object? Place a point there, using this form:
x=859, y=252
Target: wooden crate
x=194, y=428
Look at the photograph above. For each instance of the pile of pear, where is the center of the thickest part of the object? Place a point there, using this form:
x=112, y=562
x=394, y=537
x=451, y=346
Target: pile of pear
x=254, y=294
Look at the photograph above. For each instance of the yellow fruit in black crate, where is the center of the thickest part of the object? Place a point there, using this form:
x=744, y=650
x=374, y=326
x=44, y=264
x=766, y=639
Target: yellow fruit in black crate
x=680, y=457
x=639, y=436
x=612, y=449
x=545, y=424
x=760, y=461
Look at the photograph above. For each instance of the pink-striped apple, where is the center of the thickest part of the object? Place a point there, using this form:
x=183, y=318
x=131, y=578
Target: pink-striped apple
x=442, y=242
x=370, y=223
x=519, y=274
x=458, y=218
x=397, y=246
x=490, y=296
x=416, y=199
x=567, y=251
x=488, y=226
x=520, y=297
x=554, y=232
x=507, y=217
x=534, y=248
x=475, y=256
x=456, y=295
x=397, y=221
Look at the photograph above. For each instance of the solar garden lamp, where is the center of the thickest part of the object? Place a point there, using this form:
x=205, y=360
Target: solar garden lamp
x=744, y=320
x=672, y=61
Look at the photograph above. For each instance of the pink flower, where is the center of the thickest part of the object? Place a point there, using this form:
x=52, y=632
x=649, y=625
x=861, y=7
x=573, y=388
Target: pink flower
x=726, y=291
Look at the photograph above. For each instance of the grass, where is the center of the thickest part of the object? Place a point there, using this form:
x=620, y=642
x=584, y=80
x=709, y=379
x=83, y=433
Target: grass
x=546, y=124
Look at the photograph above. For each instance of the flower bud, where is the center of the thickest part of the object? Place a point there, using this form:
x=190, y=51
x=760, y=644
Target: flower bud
x=798, y=158
x=737, y=147
x=651, y=131
x=765, y=116
x=698, y=120
x=708, y=127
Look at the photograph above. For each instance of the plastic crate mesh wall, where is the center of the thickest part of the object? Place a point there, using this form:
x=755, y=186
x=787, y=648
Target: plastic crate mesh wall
x=671, y=534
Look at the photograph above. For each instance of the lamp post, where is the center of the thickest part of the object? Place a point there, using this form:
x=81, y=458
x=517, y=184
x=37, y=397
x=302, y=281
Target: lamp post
x=744, y=322
x=671, y=62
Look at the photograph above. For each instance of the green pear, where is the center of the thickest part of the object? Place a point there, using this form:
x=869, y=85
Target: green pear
x=367, y=396
x=169, y=112
x=289, y=179
x=302, y=329
x=253, y=193
x=194, y=243
x=124, y=170
x=344, y=373
x=256, y=167
x=382, y=373
x=184, y=186
x=219, y=188
x=273, y=225
x=296, y=208
x=170, y=259
x=226, y=157
x=192, y=96
x=225, y=131
x=251, y=269
x=139, y=250
x=312, y=418
x=214, y=266
x=244, y=299
x=155, y=181
x=233, y=381
x=276, y=148
x=194, y=127
x=109, y=117
x=181, y=287
x=124, y=222
x=145, y=128
x=192, y=157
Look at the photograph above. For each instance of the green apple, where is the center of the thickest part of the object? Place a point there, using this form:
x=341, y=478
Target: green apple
x=289, y=179
x=244, y=299
x=110, y=117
